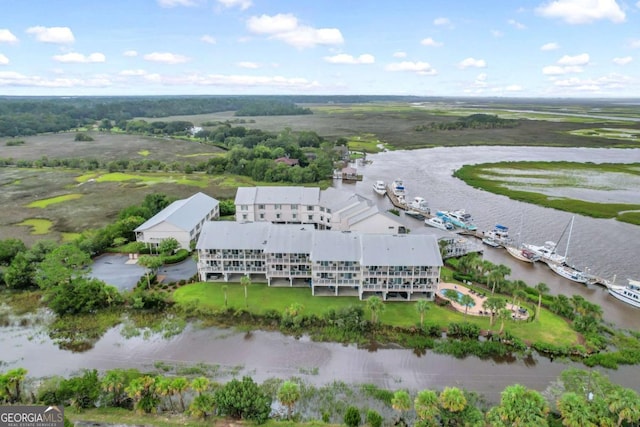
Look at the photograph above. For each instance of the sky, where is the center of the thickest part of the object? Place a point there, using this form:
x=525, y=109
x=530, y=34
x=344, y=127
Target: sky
x=498, y=48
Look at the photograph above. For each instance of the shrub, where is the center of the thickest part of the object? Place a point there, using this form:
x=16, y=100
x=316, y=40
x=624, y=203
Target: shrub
x=179, y=256
x=14, y=142
x=82, y=137
x=352, y=417
x=373, y=418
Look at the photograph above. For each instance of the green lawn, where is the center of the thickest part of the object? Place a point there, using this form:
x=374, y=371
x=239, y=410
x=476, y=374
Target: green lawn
x=550, y=329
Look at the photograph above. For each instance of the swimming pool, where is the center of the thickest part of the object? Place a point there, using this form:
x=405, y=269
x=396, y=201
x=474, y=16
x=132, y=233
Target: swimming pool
x=444, y=291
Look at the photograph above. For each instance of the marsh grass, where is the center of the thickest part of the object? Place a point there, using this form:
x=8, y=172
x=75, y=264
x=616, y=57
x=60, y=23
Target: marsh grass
x=39, y=226
x=43, y=203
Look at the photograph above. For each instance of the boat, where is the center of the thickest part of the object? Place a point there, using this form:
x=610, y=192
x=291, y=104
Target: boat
x=458, y=218
x=547, y=252
x=568, y=272
x=499, y=235
x=419, y=204
x=397, y=187
x=629, y=293
x=522, y=254
x=438, y=222
x=414, y=214
x=380, y=188
x=490, y=241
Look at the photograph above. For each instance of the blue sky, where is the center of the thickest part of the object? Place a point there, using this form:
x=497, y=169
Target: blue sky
x=536, y=48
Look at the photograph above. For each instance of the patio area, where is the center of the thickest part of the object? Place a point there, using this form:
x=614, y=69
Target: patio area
x=478, y=298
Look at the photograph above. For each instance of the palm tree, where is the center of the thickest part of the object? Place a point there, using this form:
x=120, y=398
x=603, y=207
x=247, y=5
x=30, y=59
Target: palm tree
x=401, y=402
x=626, y=404
x=151, y=264
x=498, y=274
x=519, y=406
x=452, y=399
x=503, y=314
x=493, y=305
x=375, y=305
x=517, y=285
x=165, y=389
x=466, y=300
x=452, y=295
x=225, y=288
x=422, y=306
x=200, y=385
x=202, y=405
x=574, y=410
x=245, y=281
x=542, y=288
x=426, y=406
x=180, y=385
x=288, y=395
x=294, y=309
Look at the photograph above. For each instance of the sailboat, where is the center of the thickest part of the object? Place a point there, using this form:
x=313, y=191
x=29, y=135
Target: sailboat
x=565, y=270
x=519, y=252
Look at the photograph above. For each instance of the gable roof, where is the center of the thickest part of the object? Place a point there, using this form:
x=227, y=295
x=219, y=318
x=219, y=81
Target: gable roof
x=400, y=249
x=184, y=214
x=270, y=195
x=233, y=235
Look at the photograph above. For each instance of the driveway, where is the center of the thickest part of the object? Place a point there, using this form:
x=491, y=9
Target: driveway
x=116, y=270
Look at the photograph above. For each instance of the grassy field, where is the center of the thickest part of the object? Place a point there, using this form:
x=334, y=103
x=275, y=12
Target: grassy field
x=262, y=298
x=538, y=183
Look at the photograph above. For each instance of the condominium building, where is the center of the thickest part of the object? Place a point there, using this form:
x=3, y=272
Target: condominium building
x=329, y=209
x=330, y=262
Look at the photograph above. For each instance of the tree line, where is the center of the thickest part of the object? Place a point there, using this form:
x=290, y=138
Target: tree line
x=577, y=398
x=474, y=121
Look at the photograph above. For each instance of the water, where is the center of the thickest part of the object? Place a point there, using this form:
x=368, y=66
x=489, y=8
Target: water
x=604, y=247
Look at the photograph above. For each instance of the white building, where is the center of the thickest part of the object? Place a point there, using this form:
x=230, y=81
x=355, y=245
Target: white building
x=182, y=220
x=329, y=262
x=329, y=209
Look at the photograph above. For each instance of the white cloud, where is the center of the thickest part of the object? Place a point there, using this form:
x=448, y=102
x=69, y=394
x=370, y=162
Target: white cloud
x=550, y=46
x=173, y=3
x=582, y=59
x=276, y=82
x=481, y=80
x=472, y=62
x=441, y=21
x=623, y=61
x=78, y=58
x=3, y=60
x=430, y=42
x=422, y=68
x=638, y=5
x=208, y=39
x=343, y=58
x=12, y=78
x=556, y=70
x=166, y=58
x=608, y=82
x=497, y=33
x=52, y=34
x=130, y=53
x=399, y=54
x=582, y=11
x=247, y=64
x=635, y=44
x=513, y=88
x=242, y=4
x=7, y=36
x=285, y=27
x=265, y=24
x=516, y=24
x=138, y=72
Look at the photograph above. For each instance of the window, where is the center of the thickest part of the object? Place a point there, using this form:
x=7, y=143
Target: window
x=328, y=210
x=310, y=217
x=244, y=216
x=244, y=207
x=277, y=216
x=278, y=206
x=294, y=207
x=321, y=209
x=309, y=208
x=295, y=216
x=261, y=216
x=260, y=206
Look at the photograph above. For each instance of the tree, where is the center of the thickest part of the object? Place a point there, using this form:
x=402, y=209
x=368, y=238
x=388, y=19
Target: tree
x=521, y=407
x=493, y=305
x=452, y=399
x=497, y=275
x=243, y=400
x=180, y=385
x=11, y=385
x=200, y=385
x=625, y=403
x=81, y=295
x=373, y=418
x=401, y=402
x=352, y=417
x=168, y=246
x=20, y=273
x=422, y=306
x=288, y=395
x=542, y=289
x=62, y=265
x=503, y=315
x=245, y=281
x=151, y=264
x=426, y=406
x=202, y=405
x=9, y=248
x=575, y=411
x=143, y=392
x=114, y=383
x=467, y=301
x=376, y=306
x=165, y=390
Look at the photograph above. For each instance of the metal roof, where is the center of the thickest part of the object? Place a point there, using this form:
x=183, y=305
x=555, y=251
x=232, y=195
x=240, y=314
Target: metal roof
x=335, y=246
x=289, y=238
x=400, y=250
x=277, y=195
x=184, y=214
x=233, y=235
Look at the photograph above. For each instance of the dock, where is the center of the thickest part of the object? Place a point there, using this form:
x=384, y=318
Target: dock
x=401, y=204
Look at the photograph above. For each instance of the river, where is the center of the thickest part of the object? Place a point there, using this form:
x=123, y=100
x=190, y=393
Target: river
x=607, y=246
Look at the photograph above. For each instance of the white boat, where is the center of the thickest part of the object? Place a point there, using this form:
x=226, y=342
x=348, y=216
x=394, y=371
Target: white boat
x=458, y=218
x=629, y=293
x=418, y=204
x=522, y=254
x=499, y=236
x=380, y=188
x=439, y=223
x=547, y=252
x=568, y=272
x=414, y=214
x=397, y=187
